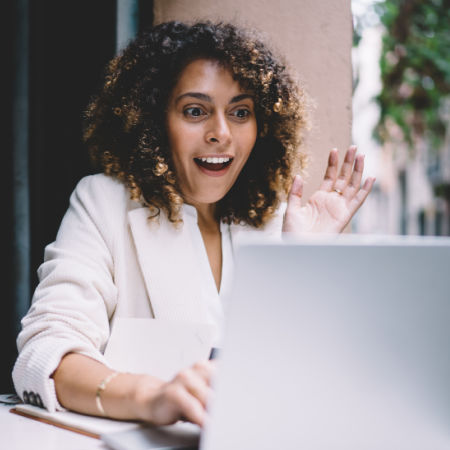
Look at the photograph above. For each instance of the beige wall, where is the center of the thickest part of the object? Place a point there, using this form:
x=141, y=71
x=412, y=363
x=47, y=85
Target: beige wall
x=316, y=38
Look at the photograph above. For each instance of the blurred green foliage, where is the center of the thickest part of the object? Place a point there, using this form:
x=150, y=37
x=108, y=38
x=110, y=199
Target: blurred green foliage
x=415, y=68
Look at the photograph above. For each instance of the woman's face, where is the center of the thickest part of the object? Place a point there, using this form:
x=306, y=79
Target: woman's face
x=211, y=127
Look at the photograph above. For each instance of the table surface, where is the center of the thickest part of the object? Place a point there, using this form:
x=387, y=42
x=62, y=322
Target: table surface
x=19, y=433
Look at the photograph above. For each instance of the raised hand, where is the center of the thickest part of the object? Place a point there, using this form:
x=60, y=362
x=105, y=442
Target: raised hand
x=330, y=208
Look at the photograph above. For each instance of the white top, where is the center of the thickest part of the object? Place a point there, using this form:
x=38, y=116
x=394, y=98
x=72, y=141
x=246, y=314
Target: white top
x=208, y=286
x=110, y=260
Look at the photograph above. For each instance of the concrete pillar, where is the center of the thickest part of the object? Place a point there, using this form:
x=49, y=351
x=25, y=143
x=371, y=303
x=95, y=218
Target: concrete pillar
x=316, y=38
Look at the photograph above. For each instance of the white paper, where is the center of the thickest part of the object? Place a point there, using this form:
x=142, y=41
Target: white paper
x=95, y=425
x=157, y=347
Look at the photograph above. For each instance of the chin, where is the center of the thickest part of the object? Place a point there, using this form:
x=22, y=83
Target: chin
x=208, y=199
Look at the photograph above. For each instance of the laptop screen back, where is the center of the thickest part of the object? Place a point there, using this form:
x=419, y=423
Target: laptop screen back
x=341, y=344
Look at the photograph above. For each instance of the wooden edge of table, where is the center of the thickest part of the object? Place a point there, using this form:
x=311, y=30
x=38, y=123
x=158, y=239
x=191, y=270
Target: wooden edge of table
x=56, y=424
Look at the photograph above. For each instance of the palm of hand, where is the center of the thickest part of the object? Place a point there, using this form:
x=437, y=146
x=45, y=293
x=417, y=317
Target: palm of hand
x=325, y=212
x=330, y=208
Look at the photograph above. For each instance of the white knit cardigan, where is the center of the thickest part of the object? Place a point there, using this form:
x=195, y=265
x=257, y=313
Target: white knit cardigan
x=108, y=260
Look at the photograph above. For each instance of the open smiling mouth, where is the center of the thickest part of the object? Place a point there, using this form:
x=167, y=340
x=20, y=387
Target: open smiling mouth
x=214, y=164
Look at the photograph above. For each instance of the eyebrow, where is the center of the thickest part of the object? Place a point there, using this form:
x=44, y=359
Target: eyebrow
x=207, y=98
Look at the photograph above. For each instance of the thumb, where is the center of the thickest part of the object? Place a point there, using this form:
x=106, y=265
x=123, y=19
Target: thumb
x=296, y=192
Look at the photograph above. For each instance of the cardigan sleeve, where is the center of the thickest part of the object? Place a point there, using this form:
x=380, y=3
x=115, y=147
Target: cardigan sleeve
x=76, y=295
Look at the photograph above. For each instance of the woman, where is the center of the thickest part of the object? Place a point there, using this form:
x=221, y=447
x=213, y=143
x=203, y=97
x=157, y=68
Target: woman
x=196, y=130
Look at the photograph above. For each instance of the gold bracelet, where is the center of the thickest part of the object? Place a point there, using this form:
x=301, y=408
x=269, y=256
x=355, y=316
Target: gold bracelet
x=100, y=388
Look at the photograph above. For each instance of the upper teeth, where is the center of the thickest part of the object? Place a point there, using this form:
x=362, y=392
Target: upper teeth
x=215, y=160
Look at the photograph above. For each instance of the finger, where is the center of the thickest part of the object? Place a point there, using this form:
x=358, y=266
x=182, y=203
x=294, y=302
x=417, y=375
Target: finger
x=361, y=195
x=331, y=172
x=188, y=406
x=296, y=192
x=206, y=370
x=199, y=390
x=197, y=387
x=346, y=169
x=195, y=384
x=355, y=180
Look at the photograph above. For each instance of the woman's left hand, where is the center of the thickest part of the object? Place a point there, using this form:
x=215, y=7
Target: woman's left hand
x=330, y=208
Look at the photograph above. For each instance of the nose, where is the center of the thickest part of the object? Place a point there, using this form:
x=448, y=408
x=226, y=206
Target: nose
x=218, y=130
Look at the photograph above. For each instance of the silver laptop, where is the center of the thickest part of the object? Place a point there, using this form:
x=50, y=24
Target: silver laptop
x=338, y=343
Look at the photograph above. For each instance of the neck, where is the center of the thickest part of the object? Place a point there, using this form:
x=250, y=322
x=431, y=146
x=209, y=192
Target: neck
x=206, y=216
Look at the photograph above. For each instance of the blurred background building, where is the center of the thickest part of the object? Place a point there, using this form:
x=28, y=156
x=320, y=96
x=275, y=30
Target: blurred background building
x=401, y=113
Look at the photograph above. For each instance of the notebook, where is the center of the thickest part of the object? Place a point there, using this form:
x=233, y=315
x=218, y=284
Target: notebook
x=333, y=343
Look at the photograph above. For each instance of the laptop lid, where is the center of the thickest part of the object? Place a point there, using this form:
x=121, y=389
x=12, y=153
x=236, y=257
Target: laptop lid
x=337, y=343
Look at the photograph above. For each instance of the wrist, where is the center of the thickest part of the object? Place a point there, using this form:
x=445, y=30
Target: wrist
x=144, y=391
x=127, y=396
x=100, y=389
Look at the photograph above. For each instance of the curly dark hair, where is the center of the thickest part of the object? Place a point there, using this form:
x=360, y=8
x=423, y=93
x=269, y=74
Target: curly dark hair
x=125, y=128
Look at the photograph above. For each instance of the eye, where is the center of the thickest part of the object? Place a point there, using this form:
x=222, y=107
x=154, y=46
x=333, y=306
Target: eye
x=194, y=111
x=241, y=113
